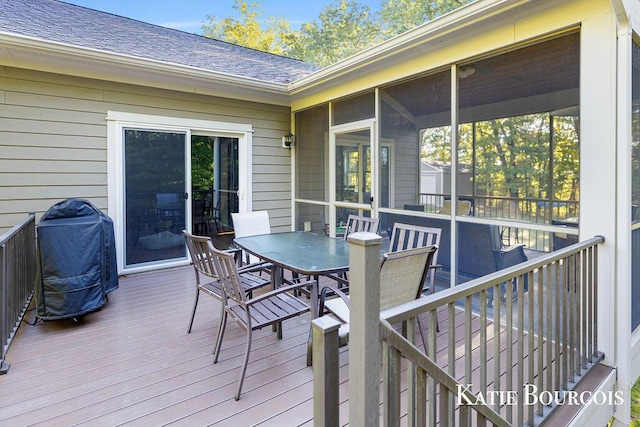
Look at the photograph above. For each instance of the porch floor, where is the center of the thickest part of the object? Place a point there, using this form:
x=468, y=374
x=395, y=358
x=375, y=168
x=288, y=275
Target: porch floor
x=133, y=363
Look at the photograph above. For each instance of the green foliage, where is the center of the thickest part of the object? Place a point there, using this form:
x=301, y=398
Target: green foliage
x=635, y=404
x=511, y=156
x=436, y=144
x=398, y=16
x=566, y=157
x=248, y=31
x=344, y=28
x=201, y=163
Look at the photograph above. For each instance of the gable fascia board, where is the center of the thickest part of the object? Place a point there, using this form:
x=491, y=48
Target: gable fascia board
x=32, y=53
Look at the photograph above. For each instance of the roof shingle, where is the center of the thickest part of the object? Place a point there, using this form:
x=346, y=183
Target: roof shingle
x=65, y=23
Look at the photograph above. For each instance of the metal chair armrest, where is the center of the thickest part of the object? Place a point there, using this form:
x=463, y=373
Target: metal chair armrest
x=323, y=298
x=280, y=290
x=340, y=280
x=256, y=266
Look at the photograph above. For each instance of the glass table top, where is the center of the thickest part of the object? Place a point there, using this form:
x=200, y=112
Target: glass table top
x=300, y=251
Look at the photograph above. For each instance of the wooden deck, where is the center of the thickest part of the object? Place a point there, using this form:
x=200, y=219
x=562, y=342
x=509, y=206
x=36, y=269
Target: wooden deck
x=132, y=363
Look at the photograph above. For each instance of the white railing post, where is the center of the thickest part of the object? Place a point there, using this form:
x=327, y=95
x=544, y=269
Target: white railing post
x=326, y=396
x=364, y=329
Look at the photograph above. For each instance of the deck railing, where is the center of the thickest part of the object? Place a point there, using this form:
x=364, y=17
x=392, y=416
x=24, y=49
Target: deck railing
x=17, y=277
x=510, y=364
x=520, y=210
x=534, y=210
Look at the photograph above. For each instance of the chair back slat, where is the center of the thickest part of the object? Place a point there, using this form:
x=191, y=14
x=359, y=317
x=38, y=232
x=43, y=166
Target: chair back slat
x=357, y=223
x=227, y=271
x=407, y=236
x=402, y=274
x=201, y=257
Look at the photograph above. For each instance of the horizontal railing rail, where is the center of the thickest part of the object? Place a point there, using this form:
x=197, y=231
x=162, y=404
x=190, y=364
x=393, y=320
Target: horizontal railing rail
x=17, y=279
x=530, y=209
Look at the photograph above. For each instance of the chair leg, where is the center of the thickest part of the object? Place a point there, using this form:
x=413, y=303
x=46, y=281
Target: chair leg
x=244, y=365
x=193, y=313
x=342, y=275
x=223, y=324
x=310, y=347
x=295, y=278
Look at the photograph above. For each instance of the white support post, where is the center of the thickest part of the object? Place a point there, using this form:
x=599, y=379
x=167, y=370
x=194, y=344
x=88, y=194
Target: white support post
x=326, y=394
x=365, y=352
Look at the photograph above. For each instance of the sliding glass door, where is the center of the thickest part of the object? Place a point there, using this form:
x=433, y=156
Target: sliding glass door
x=155, y=195
x=169, y=174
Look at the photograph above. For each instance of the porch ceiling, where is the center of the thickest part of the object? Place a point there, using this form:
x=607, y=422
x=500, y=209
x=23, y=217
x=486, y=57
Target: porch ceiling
x=528, y=75
x=540, y=69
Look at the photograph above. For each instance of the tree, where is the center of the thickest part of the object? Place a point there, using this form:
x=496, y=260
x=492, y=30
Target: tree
x=344, y=28
x=201, y=162
x=248, y=32
x=398, y=16
x=511, y=156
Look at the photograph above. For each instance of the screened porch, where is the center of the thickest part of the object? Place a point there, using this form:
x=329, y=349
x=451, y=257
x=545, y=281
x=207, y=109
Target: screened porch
x=503, y=143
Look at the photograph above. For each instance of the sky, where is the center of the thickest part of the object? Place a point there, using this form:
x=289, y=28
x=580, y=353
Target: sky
x=188, y=15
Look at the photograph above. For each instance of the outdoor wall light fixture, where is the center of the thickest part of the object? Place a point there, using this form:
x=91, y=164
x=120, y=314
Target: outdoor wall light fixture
x=466, y=71
x=287, y=140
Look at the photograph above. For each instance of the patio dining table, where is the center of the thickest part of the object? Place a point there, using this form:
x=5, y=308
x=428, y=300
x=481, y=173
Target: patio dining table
x=299, y=252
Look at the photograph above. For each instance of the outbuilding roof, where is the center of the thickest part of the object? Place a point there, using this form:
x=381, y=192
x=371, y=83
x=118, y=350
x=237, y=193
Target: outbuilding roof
x=73, y=25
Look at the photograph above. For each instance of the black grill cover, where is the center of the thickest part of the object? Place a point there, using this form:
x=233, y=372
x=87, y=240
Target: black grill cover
x=77, y=268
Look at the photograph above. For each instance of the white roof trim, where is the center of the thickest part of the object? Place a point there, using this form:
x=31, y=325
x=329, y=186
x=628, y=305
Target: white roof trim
x=92, y=63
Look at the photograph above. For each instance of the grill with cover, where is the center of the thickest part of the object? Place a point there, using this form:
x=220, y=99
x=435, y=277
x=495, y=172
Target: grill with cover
x=77, y=260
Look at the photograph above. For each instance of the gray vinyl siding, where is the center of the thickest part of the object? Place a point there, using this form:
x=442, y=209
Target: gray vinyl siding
x=53, y=140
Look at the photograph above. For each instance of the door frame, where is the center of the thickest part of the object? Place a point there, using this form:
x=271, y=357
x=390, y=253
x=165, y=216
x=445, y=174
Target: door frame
x=370, y=125
x=116, y=123
x=217, y=160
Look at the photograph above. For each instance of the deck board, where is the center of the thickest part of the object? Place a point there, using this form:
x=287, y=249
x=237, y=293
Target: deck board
x=132, y=363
